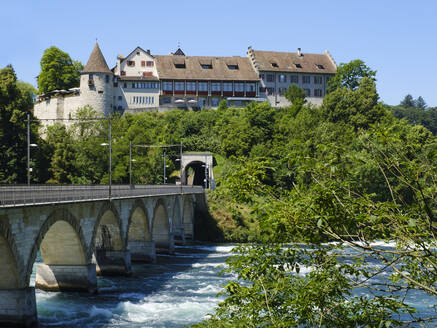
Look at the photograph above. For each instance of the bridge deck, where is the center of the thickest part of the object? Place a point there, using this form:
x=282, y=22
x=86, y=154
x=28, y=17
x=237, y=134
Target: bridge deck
x=23, y=195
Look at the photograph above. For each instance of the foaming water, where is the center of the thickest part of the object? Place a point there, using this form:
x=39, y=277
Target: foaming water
x=177, y=291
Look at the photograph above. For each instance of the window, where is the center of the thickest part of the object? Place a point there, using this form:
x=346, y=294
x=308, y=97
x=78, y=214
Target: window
x=318, y=79
x=270, y=78
x=319, y=66
x=227, y=86
x=107, y=78
x=143, y=63
x=123, y=73
x=262, y=89
x=239, y=87
x=167, y=86
x=298, y=65
x=179, y=86
x=261, y=76
x=206, y=66
x=215, y=86
x=191, y=86
x=120, y=98
x=101, y=91
x=153, y=100
x=233, y=66
x=202, y=86
x=306, y=79
x=179, y=65
x=138, y=52
x=270, y=91
x=274, y=65
x=307, y=92
x=125, y=85
x=317, y=92
x=282, y=78
x=149, y=63
x=133, y=85
x=90, y=77
x=250, y=87
x=130, y=63
x=294, y=79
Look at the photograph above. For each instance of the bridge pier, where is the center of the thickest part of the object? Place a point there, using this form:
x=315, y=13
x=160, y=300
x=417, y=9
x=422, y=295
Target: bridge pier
x=18, y=308
x=179, y=237
x=165, y=246
x=113, y=263
x=55, y=278
x=142, y=251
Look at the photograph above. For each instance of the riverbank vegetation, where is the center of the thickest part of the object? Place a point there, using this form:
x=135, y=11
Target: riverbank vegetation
x=333, y=178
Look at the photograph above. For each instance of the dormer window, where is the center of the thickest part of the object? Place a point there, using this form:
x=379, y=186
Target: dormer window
x=233, y=67
x=274, y=65
x=320, y=66
x=179, y=65
x=298, y=65
x=206, y=66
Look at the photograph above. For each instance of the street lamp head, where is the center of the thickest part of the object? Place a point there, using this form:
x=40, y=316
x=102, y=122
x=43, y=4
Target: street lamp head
x=133, y=160
x=104, y=144
x=33, y=145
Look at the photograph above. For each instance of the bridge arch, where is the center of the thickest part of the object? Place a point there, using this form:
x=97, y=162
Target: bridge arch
x=10, y=264
x=107, y=233
x=188, y=217
x=138, y=228
x=161, y=226
x=61, y=242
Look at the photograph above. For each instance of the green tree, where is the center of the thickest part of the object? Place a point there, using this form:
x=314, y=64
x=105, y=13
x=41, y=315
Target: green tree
x=58, y=71
x=358, y=107
x=420, y=103
x=295, y=93
x=349, y=75
x=15, y=103
x=408, y=102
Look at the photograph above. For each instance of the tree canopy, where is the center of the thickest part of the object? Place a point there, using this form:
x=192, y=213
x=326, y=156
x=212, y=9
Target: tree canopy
x=16, y=101
x=349, y=75
x=58, y=71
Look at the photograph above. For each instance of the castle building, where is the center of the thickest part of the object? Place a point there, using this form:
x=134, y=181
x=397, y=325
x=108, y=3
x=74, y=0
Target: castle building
x=145, y=82
x=278, y=70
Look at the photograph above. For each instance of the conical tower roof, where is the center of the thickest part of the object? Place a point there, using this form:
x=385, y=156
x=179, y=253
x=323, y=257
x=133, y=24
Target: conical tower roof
x=96, y=62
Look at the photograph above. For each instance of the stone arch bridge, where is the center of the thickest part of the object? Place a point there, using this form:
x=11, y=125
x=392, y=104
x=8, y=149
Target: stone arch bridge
x=83, y=234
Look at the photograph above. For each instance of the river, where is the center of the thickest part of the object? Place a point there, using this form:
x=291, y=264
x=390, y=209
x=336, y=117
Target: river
x=177, y=291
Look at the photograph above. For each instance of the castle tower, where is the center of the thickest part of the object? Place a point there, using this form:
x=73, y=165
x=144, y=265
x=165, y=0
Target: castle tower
x=96, y=83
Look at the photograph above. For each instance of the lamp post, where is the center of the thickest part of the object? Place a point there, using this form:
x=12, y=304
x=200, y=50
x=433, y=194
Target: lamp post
x=130, y=164
x=110, y=156
x=164, y=169
x=28, y=149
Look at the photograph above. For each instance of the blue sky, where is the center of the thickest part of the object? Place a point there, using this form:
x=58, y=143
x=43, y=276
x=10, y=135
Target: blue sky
x=398, y=38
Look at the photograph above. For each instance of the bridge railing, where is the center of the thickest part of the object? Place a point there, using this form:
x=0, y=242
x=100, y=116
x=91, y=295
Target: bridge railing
x=19, y=195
